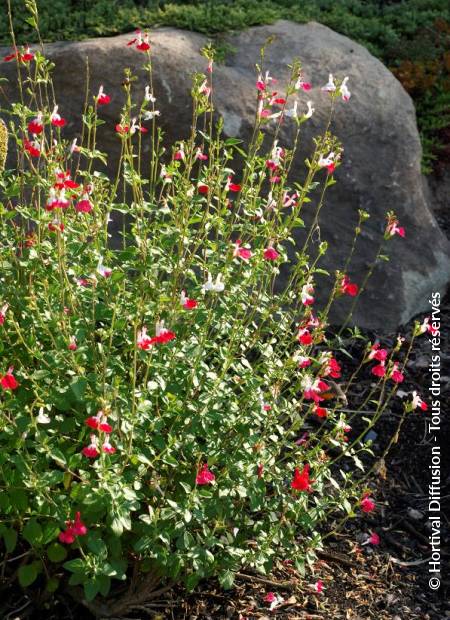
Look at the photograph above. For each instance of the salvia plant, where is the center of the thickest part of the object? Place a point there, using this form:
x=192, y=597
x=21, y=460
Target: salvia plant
x=169, y=410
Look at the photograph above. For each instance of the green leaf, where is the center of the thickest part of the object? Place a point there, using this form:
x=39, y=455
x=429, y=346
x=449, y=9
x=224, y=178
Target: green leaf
x=75, y=566
x=78, y=388
x=226, y=579
x=32, y=532
x=10, y=538
x=56, y=552
x=91, y=589
x=27, y=574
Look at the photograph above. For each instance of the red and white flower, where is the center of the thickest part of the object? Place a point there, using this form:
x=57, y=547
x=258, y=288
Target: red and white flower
x=344, y=91
x=91, y=451
x=107, y=447
x=56, y=119
x=3, y=311
x=240, y=252
x=141, y=42
x=418, y=402
x=73, y=529
x=36, y=126
x=102, y=98
x=307, y=294
x=270, y=253
x=393, y=228
x=396, y=375
x=72, y=346
x=328, y=162
x=186, y=302
x=377, y=354
x=99, y=422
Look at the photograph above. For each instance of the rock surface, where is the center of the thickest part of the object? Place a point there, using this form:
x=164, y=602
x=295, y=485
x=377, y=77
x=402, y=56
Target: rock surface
x=382, y=152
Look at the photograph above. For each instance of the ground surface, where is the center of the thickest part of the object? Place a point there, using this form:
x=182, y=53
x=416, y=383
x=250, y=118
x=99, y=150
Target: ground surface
x=361, y=582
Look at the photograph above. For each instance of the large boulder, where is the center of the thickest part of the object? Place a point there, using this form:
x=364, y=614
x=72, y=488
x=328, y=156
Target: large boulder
x=382, y=152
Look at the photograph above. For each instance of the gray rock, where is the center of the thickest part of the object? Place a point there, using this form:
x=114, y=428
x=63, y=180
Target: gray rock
x=382, y=152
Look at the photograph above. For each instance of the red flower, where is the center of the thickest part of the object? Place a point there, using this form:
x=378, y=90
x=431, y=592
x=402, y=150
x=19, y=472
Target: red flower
x=162, y=336
x=99, y=422
x=379, y=370
x=107, y=447
x=3, y=312
x=348, y=288
x=72, y=346
x=378, y=354
x=304, y=336
x=141, y=42
x=232, y=187
x=202, y=188
x=91, y=451
x=396, y=375
x=301, y=481
x=204, y=476
x=27, y=56
x=367, y=504
x=84, y=205
x=102, y=98
x=393, y=228
x=320, y=412
x=36, y=126
x=33, y=148
x=374, y=539
x=188, y=304
x=260, y=470
x=73, y=529
x=239, y=252
x=57, y=120
x=270, y=253
x=8, y=381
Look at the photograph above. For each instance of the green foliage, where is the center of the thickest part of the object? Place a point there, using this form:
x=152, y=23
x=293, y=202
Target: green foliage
x=221, y=386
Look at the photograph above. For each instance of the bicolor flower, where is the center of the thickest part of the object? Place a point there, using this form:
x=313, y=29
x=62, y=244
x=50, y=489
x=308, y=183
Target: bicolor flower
x=99, y=422
x=263, y=82
x=162, y=335
x=328, y=162
x=320, y=412
x=8, y=381
x=232, y=187
x=186, y=302
x=105, y=272
x=36, y=126
x=72, y=346
x=33, y=147
x=274, y=600
x=301, y=84
x=426, y=326
x=102, y=98
x=141, y=42
x=344, y=91
x=200, y=156
x=418, y=402
x=204, y=476
x=148, y=95
x=3, y=311
x=107, y=447
x=56, y=119
x=307, y=294
x=312, y=387
x=318, y=586
x=377, y=354
x=301, y=480
x=396, y=375
x=239, y=252
x=393, y=228
x=304, y=336
x=91, y=451
x=25, y=56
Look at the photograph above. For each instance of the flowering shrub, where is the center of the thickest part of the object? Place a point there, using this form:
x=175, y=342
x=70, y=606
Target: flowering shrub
x=167, y=413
